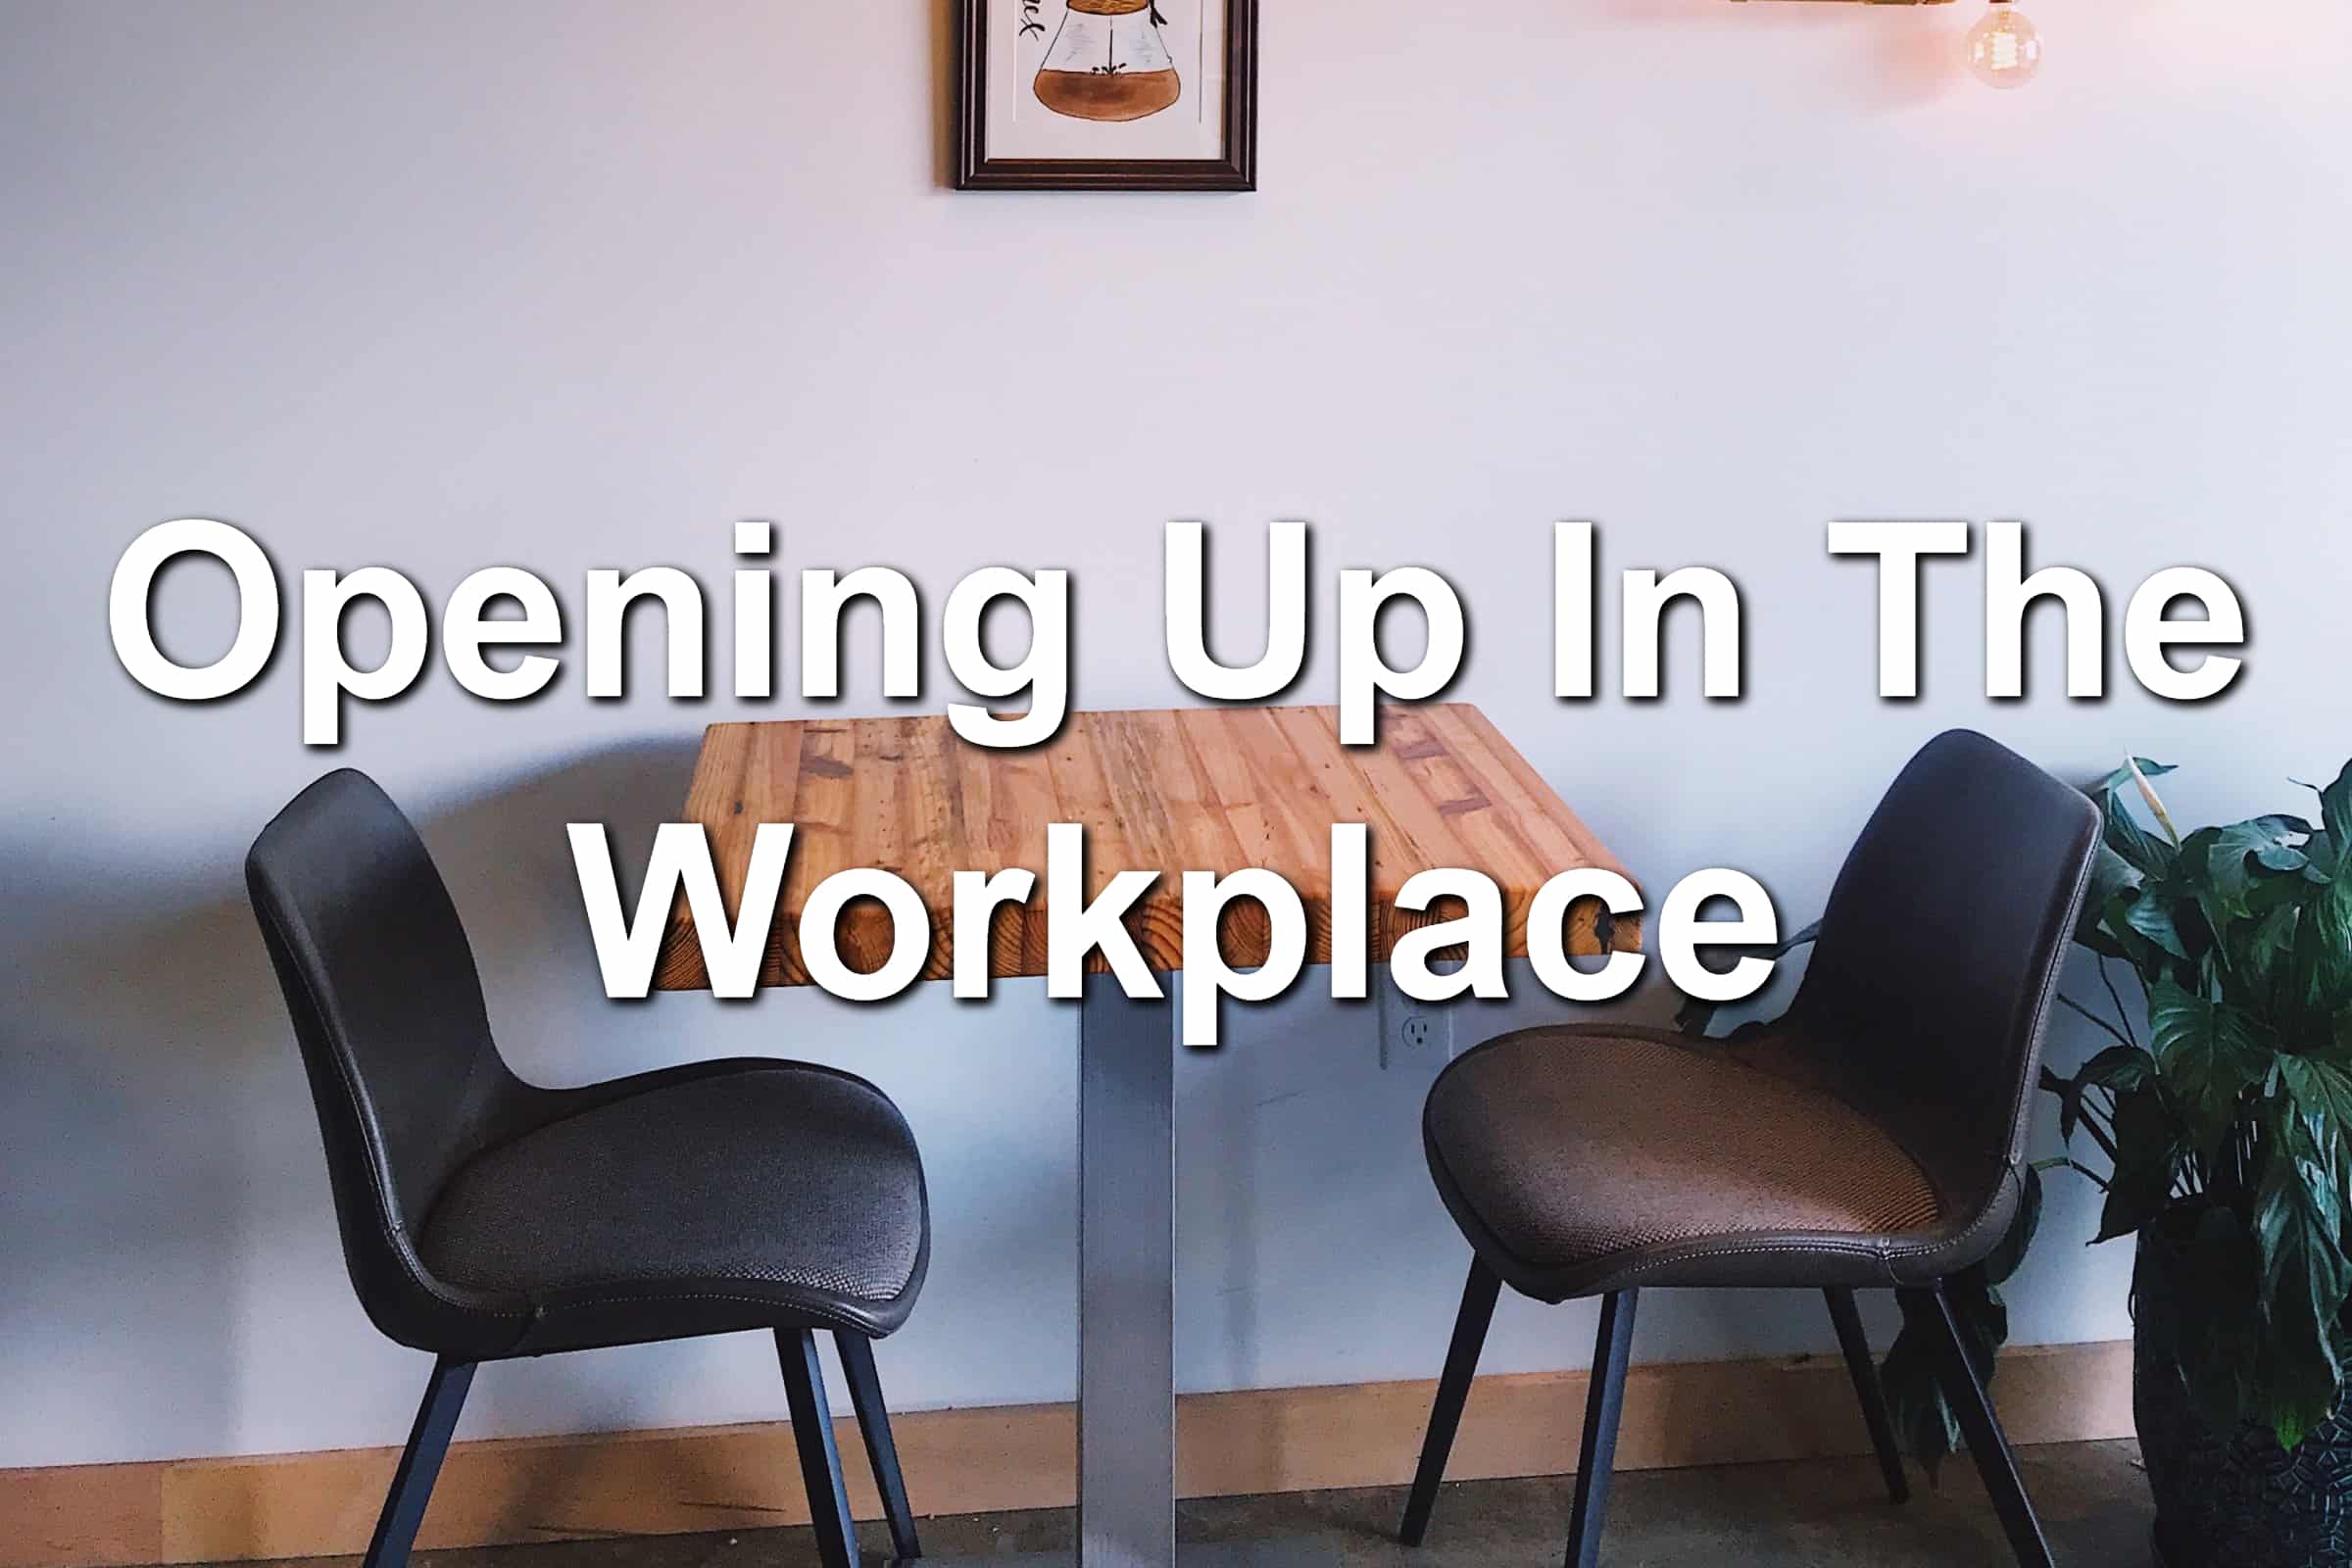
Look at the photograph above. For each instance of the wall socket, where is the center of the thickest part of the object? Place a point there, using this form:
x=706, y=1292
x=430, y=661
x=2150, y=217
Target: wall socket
x=1414, y=1036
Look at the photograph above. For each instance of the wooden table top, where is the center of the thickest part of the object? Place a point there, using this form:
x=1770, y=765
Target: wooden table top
x=1207, y=789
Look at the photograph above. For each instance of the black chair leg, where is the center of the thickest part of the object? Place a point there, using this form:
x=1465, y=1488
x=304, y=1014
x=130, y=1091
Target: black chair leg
x=1928, y=1308
x=1865, y=1372
x=882, y=1454
x=820, y=1461
x=1454, y=1387
x=420, y=1464
x=1603, y=1406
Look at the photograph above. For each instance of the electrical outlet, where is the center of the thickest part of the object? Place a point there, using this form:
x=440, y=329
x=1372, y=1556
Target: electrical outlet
x=1414, y=1036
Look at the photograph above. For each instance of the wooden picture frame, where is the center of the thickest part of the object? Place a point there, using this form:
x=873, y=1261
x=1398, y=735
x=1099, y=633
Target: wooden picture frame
x=1044, y=138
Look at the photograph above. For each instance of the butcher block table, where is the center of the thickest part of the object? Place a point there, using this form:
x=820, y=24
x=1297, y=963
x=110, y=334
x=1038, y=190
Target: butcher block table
x=1213, y=788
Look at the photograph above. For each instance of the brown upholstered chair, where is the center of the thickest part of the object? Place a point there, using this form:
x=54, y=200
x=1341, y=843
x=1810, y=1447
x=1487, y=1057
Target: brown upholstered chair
x=1873, y=1138
x=486, y=1218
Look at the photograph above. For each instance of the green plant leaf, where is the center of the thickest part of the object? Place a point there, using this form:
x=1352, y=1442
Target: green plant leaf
x=2262, y=950
x=2306, y=989
x=2319, y=852
x=2208, y=1056
x=1981, y=1315
x=2117, y=1068
x=2140, y=850
x=1924, y=1422
x=2335, y=817
x=2110, y=875
x=2321, y=1090
x=2145, y=957
x=2147, y=1162
x=1911, y=1378
x=2204, y=909
x=2068, y=1094
x=2232, y=852
x=2150, y=915
x=2330, y=913
x=2283, y=857
x=2298, y=1230
x=2121, y=779
x=1694, y=1017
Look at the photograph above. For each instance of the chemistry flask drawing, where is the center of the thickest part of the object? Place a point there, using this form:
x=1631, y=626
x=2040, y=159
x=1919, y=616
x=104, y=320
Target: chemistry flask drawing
x=1109, y=62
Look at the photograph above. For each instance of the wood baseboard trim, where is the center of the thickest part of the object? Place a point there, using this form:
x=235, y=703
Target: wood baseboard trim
x=503, y=1491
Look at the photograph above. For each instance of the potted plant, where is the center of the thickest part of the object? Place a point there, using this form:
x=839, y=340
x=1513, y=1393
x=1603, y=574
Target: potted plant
x=2222, y=1138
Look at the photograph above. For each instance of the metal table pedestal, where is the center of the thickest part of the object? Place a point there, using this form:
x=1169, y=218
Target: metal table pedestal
x=1127, y=1304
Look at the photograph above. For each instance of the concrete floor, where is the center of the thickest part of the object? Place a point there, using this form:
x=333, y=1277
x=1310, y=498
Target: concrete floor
x=2093, y=1498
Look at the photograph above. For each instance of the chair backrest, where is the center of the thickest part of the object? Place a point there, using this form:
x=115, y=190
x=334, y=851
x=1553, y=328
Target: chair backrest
x=389, y=1010
x=1938, y=955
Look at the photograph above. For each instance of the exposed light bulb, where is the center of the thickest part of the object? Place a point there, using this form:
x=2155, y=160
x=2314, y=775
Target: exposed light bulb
x=2003, y=48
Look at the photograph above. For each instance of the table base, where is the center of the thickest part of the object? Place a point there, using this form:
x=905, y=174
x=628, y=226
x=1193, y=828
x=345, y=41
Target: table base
x=1126, y=1279
x=1126, y=1514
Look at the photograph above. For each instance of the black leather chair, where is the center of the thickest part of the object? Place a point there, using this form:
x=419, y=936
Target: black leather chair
x=485, y=1217
x=1872, y=1138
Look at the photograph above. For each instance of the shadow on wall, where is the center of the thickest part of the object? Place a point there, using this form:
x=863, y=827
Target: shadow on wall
x=164, y=1173
x=508, y=863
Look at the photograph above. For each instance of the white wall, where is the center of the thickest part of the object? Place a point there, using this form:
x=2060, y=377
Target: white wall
x=572, y=284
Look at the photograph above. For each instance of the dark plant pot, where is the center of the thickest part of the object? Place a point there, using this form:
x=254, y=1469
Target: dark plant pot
x=2230, y=1499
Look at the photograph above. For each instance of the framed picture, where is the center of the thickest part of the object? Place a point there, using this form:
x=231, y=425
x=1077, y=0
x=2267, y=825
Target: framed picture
x=1107, y=95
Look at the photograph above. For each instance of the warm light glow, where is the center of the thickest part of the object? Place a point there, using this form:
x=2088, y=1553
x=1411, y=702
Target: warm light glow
x=2003, y=49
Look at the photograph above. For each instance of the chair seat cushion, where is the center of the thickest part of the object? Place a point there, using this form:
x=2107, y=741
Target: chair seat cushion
x=1584, y=1159
x=777, y=1194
